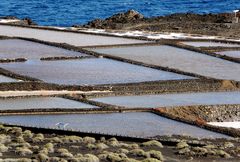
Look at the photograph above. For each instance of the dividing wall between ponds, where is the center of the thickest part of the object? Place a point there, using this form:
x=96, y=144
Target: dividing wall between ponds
x=189, y=85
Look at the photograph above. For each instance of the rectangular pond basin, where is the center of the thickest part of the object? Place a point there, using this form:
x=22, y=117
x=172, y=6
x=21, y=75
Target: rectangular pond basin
x=234, y=54
x=5, y=79
x=209, y=44
x=41, y=103
x=75, y=39
x=89, y=71
x=178, y=58
x=15, y=48
x=141, y=124
x=180, y=99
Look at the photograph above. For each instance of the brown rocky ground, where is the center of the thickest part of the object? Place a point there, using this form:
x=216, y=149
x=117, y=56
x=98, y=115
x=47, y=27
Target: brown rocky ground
x=213, y=113
x=207, y=24
x=23, y=145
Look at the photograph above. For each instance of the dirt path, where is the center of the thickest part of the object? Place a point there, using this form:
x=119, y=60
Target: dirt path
x=44, y=92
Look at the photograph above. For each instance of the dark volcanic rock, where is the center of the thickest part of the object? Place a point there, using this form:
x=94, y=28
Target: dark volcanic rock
x=130, y=15
x=95, y=23
x=222, y=24
x=9, y=17
x=28, y=21
x=116, y=21
x=131, y=19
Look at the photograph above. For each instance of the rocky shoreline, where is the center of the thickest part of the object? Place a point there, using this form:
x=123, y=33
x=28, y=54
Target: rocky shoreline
x=208, y=24
x=14, y=20
x=222, y=25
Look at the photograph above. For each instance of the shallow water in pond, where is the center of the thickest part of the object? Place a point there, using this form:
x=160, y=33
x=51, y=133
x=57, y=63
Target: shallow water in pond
x=181, y=99
x=4, y=79
x=75, y=39
x=210, y=44
x=41, y=103
x=178, y=58
x=15, y=48
x=131, y=124
x=235, y=54
x=89, y=71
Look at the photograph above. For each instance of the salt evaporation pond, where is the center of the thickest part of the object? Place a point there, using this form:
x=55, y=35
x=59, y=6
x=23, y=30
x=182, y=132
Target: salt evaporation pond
x=234, y=54
x=128, y=124
x=180, y=99
x=76, y=39
x=41, y=103
x=15, y=48
x=89, y=71
x=210, y=44
x=5, y=79
x=178, y=58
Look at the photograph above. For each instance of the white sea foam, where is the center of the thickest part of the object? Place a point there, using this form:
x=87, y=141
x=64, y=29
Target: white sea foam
x=154, y=35
x=8, y=20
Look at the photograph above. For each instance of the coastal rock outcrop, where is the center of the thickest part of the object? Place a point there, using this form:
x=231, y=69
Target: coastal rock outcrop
x=222, y=24
x=116, y=21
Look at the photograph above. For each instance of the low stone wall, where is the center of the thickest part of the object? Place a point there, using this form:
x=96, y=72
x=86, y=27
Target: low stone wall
x=176, y=86
x=209, y=113
x=4, y=37
x=65, y=58
x=161, y=87
x=13, y=60
x=194, y=118
x=222, y=113
x=33, y=86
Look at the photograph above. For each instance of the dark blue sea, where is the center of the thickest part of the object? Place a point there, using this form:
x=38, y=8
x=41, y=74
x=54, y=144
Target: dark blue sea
x=69, y=12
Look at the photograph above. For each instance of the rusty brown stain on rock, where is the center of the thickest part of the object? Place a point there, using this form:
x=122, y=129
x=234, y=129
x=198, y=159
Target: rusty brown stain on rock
x=228, y=84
